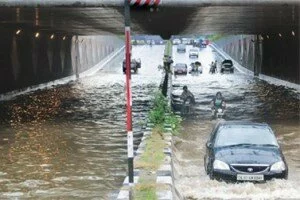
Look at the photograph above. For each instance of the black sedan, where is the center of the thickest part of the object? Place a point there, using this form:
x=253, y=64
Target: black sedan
x=244, y=151
x=135, y=65
x=227, y=65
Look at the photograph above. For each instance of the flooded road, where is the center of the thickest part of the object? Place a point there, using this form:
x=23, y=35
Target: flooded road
x=247, y=98
x=69, y=142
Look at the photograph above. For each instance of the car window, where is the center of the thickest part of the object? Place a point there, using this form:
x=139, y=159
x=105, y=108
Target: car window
x=227, y=62
x=244, y=134
x=180, y=66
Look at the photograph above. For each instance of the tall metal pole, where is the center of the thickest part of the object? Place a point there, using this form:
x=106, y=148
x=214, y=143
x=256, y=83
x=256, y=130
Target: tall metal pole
x=77, y=56
x=128, y=91
x=256, y=59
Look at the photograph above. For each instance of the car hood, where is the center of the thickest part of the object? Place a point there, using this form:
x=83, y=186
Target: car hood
x=246, y=155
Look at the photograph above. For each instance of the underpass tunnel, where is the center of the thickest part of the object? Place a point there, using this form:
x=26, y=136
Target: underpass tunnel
x=275, y=55
x=39, y=43
x=69, y=141
x=31, y=57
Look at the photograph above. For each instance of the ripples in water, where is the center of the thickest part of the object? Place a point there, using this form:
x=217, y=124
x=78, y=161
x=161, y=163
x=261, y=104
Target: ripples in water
x=70, y=141
x=247, y=98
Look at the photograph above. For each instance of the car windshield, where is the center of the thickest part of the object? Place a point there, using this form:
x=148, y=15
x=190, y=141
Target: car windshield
x=244, y=134
x=194, y=50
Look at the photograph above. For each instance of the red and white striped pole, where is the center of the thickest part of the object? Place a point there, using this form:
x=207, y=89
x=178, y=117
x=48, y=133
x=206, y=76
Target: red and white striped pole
x=145, y=2
x=128, y=91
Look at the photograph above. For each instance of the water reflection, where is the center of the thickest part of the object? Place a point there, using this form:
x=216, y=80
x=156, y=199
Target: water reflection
x=69, y=142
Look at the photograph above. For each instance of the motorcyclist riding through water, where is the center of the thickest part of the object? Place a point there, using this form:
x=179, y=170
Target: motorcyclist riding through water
x=188, y=101
x=217, y=103
x=213, y=67
x=195, y=67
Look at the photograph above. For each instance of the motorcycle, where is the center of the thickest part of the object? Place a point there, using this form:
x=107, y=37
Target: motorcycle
x=196, y=68
x=212, y=69
x=187, y=106
x=218, y=113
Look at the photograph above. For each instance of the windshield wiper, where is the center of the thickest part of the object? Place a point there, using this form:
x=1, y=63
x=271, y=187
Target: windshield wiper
x=238, y=145
x=267, y=145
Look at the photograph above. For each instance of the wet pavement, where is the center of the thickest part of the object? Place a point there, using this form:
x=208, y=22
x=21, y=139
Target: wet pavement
x=69, y=142
x=247, y=98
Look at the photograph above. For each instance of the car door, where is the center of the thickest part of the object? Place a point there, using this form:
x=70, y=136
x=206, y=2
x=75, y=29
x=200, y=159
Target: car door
x=209, y=154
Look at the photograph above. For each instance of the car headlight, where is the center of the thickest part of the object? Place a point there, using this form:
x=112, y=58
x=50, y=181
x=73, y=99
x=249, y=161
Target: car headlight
x=278, y=166
x=220, y=165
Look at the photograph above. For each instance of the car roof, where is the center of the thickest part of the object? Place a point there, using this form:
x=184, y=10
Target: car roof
x=238, y=123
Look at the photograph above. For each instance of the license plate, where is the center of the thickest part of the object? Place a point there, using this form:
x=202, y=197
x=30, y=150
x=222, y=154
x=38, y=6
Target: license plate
x=249, y=177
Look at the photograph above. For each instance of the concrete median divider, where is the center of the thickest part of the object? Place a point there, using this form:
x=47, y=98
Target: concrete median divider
x=153, y=165
x=164, y=183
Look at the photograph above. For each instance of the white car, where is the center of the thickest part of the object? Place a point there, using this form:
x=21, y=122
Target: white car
x=176, y=41
x=194, y=53
x=181, y=48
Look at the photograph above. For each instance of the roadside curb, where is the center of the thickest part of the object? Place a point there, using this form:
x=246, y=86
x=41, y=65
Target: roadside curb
x=164, y=174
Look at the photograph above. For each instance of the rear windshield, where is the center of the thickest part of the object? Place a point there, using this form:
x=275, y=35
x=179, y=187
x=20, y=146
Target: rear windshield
x=194, y=50
x=227, y=62
x=244, y=134
x=181, y=46
x=180, y=66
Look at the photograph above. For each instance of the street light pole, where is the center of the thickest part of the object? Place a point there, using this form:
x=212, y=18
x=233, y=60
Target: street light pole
x=128, y=91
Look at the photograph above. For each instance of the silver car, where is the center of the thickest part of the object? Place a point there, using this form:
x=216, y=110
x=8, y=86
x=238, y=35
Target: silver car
x=194, y=53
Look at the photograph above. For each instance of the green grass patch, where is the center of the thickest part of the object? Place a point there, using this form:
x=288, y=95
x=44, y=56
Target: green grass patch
x=161, y=113
x=148, y=163
x=143, y=191
x=174, y=121
x=168, y=48
x=157, y=113
x=153, y=156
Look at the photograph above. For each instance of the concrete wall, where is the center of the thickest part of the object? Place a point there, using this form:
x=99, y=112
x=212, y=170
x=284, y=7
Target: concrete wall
x=270, y=55
x=26, y=60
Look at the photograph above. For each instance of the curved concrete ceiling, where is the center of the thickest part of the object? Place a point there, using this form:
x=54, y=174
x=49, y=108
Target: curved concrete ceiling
x=164, y=3
x=181, y=17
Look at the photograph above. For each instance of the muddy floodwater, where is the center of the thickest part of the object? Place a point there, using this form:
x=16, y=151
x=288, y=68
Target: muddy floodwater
x=69, y=142
x=247, y=98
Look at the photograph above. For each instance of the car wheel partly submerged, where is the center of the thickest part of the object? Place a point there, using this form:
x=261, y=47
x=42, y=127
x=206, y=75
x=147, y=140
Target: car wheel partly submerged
x=211, y=175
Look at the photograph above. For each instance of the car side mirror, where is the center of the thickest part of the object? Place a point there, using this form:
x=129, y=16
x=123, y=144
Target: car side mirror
x=209, y=145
